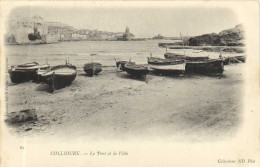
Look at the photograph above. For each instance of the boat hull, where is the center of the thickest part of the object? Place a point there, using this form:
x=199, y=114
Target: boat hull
x=169, y=69
x=143, y=72
x=26, y=72
x=58, y=81
x=167, y=66
x=22, y=76
x=211, y=66
x=58, y=77
x=92, y=68
x=136, y=70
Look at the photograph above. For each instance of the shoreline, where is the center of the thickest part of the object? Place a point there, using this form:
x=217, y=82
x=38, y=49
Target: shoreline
x=116, y=105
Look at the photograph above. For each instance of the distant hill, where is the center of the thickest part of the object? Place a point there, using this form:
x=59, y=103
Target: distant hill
x=230, y=37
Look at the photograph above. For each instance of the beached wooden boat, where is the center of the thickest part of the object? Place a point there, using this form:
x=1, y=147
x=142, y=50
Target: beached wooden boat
x=208, y=66
x=26, y=72
x=92, y=68
x=200, y=64
x=135, y=69
x=59, y=76
x=121, y=65
x=167, y=66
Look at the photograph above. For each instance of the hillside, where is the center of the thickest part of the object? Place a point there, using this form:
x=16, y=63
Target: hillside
x=230, y=37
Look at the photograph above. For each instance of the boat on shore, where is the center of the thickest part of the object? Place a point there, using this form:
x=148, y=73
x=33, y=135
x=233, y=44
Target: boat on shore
x=92, y=68
x=26, y=72
x=205, y=66
x=59, y=76
x=135, y=69
x=201, y=64
x=167, y=66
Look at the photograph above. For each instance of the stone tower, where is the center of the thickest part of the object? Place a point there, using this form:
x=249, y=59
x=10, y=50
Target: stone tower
x=127, y=30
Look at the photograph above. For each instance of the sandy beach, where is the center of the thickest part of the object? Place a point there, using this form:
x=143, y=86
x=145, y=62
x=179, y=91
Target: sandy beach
x=117, y=106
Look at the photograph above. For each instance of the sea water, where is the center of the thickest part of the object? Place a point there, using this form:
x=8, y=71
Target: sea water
x=104, y=52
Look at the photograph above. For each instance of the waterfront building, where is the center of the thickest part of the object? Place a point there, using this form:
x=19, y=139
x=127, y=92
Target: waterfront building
x=126, y=36
x=21, y=28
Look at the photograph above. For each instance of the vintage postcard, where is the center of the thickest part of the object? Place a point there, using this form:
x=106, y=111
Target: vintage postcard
x=123, y=83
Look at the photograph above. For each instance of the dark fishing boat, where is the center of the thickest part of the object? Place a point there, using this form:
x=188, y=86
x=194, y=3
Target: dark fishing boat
x=167, y=66
x=26, y=72
x=135, y=69
x=202, y=64
x=206, y=66
x=59, y=76
x=92, y=68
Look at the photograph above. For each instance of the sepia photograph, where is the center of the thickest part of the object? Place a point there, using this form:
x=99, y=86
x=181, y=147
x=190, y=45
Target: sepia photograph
x=175, y=73
x=124, y=72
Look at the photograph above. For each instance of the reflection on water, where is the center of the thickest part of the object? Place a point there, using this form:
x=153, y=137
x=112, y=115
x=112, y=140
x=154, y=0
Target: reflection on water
x=104, y=52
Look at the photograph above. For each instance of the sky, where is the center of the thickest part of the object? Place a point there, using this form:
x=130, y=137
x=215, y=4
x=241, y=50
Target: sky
x=143, y=22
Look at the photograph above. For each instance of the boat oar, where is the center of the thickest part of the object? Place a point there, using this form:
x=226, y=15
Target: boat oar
x=114, y=59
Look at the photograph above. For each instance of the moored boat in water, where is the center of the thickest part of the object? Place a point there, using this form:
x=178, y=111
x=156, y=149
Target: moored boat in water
x=167, y=66
x=92, y=68
x=135, y=69
x=26, y=72
x=59, y=76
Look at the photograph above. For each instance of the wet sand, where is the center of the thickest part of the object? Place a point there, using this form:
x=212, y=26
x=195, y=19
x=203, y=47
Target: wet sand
x=117, y=106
